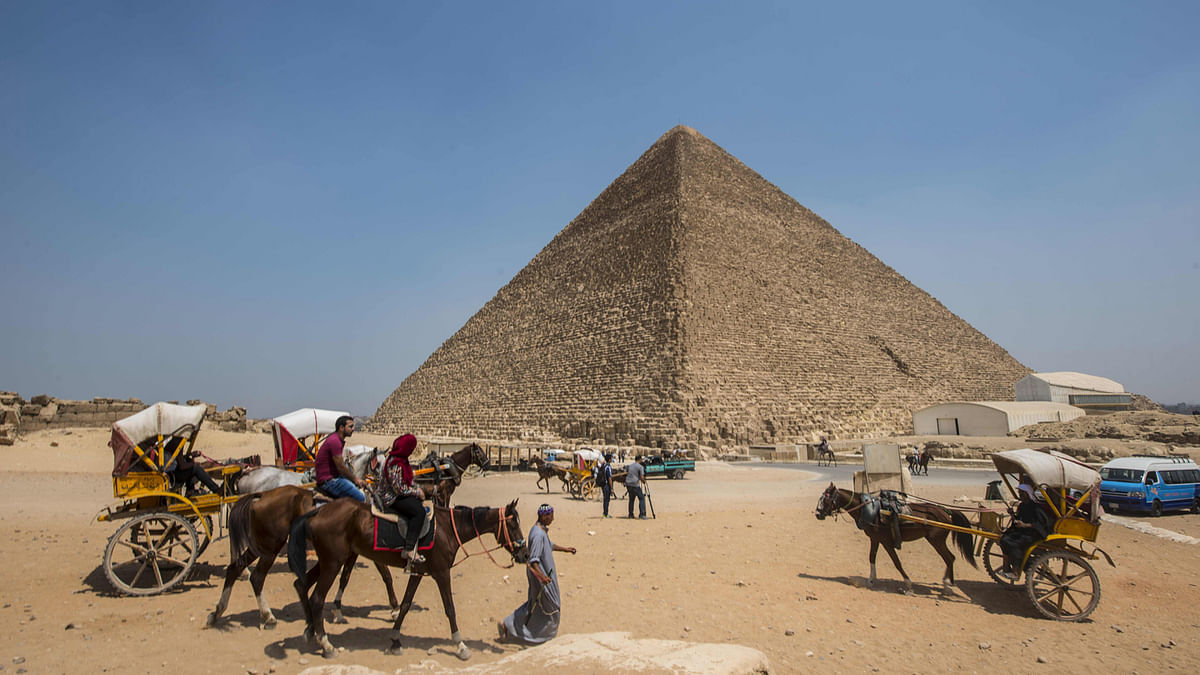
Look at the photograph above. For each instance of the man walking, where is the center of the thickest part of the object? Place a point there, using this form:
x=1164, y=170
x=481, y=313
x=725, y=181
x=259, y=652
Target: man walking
x=635, y=476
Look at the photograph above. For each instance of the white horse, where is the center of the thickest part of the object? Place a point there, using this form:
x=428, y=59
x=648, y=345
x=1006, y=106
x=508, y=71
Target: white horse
x=358, y=459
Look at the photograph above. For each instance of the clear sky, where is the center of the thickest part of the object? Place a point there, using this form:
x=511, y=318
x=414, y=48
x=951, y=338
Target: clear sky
x=281, y=205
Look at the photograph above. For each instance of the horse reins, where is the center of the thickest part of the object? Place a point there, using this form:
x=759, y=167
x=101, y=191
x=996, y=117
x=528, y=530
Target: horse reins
x=501, y=519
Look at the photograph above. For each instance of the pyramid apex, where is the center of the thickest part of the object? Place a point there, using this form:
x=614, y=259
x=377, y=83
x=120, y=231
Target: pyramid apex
x=681, y=130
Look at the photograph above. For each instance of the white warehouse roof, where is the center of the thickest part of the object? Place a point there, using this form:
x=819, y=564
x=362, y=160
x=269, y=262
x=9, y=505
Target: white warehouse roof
x=1080, y=381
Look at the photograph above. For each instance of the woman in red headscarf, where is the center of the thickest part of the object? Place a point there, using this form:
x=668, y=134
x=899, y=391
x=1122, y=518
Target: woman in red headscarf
x=397, y=493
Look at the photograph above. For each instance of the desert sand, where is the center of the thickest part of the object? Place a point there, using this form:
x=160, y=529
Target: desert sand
x=734, y=556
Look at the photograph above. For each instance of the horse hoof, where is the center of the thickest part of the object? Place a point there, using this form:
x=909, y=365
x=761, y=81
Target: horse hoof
x=463, y=653
x=212, y=620
x=328, y=653
x=338, y=619
x=270, y=625
x=395, y=649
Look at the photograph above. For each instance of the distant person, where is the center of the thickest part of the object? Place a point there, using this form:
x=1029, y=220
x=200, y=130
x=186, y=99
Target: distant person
x=604, y=480
x=536, y=621
x=334, y=478
x=635, y=477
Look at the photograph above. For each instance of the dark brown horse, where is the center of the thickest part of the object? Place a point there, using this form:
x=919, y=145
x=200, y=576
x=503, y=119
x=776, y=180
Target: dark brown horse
x=546, y=471
x=344, y=529
x=258, y=528
x=441, y=485
x=834, y=500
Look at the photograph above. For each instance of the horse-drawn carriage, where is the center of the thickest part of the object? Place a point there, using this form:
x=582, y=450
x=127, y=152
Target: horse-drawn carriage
x=1058, y=577
x=299, y=434
x=166, y=528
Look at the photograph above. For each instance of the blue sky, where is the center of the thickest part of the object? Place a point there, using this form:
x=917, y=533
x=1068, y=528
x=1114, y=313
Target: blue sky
x=292, y=205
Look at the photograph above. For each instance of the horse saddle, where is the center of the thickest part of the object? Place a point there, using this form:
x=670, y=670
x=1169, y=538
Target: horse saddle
x=886, y=505
x=390, y=530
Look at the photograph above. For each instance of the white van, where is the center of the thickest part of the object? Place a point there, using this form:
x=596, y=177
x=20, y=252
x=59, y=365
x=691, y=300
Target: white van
x=1150, y=483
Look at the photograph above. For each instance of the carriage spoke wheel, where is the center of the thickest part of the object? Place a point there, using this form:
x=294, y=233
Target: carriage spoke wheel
x=1063, y=586
x=201, y=535
x=993, y=560
x=151, y=553
x=590, y=493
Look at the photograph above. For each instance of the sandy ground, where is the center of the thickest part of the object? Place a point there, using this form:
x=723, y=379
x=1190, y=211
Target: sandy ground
x=734, y=556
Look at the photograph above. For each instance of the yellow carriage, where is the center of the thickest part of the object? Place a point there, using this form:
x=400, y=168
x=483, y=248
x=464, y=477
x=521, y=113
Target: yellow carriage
x=165, y=529
x=1059, y=579
x=299, y=434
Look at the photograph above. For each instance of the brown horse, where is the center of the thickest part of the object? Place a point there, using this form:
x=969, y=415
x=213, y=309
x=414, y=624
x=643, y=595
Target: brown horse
x=440, y=486
x=834, y=500
x=258, y=528
x=546, y=471
x=345, y=528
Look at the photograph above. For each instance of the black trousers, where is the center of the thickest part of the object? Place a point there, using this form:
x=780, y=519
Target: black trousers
x=185, y=477
x=1015, y=542
x=409, y=508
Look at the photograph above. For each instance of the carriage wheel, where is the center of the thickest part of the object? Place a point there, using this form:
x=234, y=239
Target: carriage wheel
x=993, y=560
x=589, y=491
x=151, y=553
x=201, y=535
x=1063, y=586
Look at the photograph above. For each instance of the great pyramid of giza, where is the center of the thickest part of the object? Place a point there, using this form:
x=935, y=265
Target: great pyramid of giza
x=693, y=302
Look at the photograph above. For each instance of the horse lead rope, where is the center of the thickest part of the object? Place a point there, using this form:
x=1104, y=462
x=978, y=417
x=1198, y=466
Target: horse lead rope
x=500, y=520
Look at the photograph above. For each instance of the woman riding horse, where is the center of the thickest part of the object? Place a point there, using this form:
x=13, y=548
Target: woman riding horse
x=344, y=528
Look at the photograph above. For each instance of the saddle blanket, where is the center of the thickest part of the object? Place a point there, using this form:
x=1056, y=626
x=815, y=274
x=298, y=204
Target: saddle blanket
x=389, y=534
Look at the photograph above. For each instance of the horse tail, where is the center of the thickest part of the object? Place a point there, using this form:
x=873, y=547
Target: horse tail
x=966, y=544
x=239, y=527
x=296, y=545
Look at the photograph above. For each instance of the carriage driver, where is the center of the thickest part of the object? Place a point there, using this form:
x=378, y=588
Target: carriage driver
x=334, y=478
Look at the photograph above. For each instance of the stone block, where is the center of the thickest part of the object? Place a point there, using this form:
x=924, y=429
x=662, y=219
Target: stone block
x=41, y=399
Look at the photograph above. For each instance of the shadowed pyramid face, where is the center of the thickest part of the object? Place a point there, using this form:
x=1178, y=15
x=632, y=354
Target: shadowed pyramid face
x=694, y=302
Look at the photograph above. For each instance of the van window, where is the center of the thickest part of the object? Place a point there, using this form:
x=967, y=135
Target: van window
x=1151, y=477
x=1193, y=475
x=1122, y=475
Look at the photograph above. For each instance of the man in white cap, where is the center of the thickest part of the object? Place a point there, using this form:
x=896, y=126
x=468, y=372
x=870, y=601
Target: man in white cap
x=1030, y=525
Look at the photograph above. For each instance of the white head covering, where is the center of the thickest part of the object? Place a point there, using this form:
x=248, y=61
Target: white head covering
x=1028, y=489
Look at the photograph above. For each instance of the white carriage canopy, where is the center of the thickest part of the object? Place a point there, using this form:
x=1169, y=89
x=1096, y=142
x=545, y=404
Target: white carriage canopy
x=1047, y=467
x=298, y=424
x=159, y=419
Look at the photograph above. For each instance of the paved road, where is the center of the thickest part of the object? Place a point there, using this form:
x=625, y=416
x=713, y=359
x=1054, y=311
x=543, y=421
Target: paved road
x=844, y=473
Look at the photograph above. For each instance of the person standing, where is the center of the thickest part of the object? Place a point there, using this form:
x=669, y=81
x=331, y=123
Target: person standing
x=604, y=480
x=536, y=620
x=397, y=493
x=333, y=476
x=635, y=477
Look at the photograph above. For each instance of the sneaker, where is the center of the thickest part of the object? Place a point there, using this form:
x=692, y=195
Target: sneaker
x=643, y=517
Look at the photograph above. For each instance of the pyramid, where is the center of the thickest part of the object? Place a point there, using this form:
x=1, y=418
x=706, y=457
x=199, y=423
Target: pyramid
x=694, y=303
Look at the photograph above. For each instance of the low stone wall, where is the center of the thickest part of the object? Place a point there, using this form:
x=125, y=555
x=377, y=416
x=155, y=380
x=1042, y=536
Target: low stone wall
x=19, y=416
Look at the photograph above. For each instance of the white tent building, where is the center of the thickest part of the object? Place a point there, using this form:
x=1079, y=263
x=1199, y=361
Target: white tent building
x=1090, y=392
x=988, y=418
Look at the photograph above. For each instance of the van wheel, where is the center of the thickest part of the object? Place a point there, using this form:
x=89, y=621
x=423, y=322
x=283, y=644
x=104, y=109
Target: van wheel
x=1156, y=508
x=1196, y=505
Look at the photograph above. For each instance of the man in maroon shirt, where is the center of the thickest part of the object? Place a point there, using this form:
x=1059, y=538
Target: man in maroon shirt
x=333, y=476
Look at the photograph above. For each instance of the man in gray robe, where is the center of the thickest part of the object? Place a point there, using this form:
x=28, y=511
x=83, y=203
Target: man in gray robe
x=536, y=621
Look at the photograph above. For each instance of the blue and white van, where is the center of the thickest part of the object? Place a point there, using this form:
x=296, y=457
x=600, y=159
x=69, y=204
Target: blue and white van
x=1150, y=484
